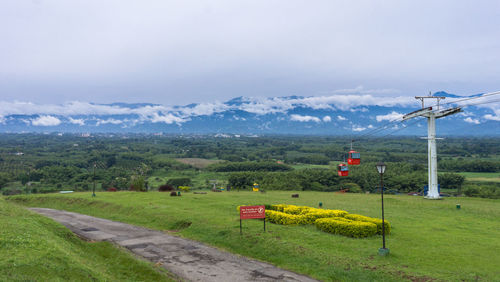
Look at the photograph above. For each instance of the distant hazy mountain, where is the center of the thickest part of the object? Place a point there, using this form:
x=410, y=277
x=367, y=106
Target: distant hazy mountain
x=327, y=115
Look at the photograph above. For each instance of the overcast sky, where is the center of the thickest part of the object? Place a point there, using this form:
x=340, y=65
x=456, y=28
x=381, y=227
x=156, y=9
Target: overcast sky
x=179, y=52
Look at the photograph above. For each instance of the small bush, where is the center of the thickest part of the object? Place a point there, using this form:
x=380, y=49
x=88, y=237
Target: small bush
x=342, y=226
x=165, y=188
x=352, y=187
x=284, y=218
x=173, y=194
x=376, y=221
x=111, y=189
x=138, y=184
x=184, y=188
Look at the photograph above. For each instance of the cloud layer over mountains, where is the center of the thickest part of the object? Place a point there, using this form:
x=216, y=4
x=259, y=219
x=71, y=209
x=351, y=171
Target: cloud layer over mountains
x=179, y=114
x=347, y=112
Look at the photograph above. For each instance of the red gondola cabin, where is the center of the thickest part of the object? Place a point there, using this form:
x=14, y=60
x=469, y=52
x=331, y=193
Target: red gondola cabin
x=342, y=170
x=354, y=158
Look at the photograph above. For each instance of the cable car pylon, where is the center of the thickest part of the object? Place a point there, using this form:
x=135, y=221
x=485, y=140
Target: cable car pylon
x=431, y=115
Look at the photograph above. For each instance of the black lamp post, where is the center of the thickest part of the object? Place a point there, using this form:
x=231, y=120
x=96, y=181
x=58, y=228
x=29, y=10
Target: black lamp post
x=93, y=178
x=381, y=169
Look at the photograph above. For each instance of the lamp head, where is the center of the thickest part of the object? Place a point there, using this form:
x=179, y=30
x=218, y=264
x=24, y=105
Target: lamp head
x=381, y=167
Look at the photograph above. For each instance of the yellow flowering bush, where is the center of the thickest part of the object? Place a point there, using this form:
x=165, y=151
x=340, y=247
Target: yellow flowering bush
x=332, y=221
x=184, y=188
x=376, y=221
x=291, y=209
x=318, y=213
x=342, y=226
x=279, y=207
x=285, y=219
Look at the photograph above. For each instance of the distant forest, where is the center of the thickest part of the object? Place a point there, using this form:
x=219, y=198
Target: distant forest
x=40, y=163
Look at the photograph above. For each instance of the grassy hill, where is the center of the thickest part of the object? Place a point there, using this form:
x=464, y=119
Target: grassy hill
x=35, y=248
x=429, y=239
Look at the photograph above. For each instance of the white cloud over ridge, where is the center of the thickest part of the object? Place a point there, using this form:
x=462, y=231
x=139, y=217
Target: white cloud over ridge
x=358, y=128
x=389, y=117
x=300, y=118
x=471, y=120
x=79, y=113
x=78, y=121
x=46, y=121
x=110, y=121
x=259, y=106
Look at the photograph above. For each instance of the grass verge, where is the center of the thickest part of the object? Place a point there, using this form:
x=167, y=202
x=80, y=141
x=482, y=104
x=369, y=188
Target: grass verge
x=35, y=248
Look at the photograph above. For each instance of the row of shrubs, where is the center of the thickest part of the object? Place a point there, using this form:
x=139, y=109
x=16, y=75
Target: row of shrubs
x=332, y=221
x=168, y=188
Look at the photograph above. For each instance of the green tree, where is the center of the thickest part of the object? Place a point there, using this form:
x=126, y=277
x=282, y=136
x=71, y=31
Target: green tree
x=138, y=183
x=4, y=179
x=176, y=182
x=451, y=181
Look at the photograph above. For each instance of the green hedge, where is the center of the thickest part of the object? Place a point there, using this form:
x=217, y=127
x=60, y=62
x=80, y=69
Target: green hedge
x=353, y=225
x=376, y=221
x=342, y=226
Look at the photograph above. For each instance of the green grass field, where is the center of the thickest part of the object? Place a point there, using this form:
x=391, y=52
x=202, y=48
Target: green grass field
x=429, y=239
x=35, y=248
x=481, y=176
x=304, y=166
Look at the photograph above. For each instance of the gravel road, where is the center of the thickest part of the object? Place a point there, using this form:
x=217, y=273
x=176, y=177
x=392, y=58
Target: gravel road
x=187, y=259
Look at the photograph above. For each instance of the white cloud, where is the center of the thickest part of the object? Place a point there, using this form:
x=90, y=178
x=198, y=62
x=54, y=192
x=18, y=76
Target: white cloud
x=465, y=114
x=492, y=117
x=496, y=112
x=79, y=121
x=168, y=118
x=471, y=120
x=358, y=128
x=390, y=117
x=341, y=118
x=259, y=106
x=304, y=118
x=204, y=109
x=362, y=109
x=327, y=119
x=109, y=121
x=264, y=106
x=46, y=121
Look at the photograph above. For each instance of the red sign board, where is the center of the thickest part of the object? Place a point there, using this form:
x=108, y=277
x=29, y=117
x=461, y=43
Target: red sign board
x=250, y=212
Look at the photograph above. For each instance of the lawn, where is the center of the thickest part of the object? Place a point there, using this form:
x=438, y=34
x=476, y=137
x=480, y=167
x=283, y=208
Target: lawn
x=199, y=179
x=481, y=176
x=429, y=239
x=35, y=248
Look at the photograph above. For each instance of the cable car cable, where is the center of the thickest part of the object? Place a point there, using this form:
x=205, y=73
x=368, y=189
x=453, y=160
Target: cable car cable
x=399, y=119
x=468, y=98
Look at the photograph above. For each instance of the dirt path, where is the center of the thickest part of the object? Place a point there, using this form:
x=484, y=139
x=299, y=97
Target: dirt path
x=185, y=258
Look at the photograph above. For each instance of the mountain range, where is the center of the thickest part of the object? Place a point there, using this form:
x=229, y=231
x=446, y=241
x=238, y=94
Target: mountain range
x=316, y=115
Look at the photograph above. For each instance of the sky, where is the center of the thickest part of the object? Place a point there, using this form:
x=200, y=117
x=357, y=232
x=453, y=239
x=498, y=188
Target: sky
x=181, y=52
